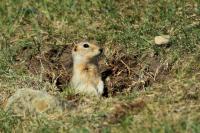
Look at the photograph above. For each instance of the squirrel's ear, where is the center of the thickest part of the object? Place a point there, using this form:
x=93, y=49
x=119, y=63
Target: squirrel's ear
x=75, y=48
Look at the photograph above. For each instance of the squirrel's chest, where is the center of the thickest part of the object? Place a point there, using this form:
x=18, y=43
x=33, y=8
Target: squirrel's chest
x=87, y=77
x=87, y=80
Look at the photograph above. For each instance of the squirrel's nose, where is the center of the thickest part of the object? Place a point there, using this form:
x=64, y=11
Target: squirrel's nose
x=101, y=50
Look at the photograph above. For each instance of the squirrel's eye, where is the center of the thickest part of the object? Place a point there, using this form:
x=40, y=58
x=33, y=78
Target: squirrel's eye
x=86, y=45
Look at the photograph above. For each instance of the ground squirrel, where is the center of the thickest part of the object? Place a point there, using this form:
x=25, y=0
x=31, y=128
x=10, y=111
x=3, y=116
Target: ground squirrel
x=86, y=76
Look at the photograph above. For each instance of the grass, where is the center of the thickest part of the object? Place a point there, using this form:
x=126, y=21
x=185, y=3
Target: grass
x=169, y=106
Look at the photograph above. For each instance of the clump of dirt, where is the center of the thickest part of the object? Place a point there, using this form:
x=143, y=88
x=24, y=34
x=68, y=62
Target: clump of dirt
x=122, y=109
x=122, y=73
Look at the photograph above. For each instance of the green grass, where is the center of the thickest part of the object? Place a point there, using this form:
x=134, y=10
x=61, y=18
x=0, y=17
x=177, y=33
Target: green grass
x=170, y=106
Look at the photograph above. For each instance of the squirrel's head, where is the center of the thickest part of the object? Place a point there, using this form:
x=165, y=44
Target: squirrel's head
x=85, y=51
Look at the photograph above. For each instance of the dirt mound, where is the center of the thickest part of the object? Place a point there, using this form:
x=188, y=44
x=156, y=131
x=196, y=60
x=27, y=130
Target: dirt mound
x=130, y=72
x=122, y=72
x=55, y=65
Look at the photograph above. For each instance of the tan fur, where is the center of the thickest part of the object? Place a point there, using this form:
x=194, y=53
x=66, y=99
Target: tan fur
x=86, y=77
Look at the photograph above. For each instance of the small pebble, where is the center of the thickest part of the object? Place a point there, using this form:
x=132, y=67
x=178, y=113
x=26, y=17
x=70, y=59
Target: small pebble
x=161, y=40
